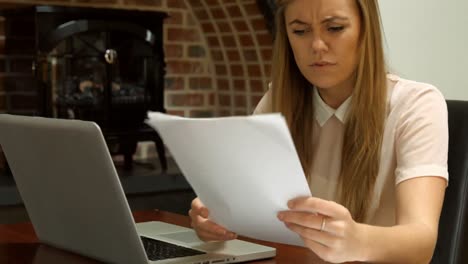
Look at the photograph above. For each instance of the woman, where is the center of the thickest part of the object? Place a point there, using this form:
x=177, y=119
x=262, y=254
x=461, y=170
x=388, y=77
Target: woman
x=373, y=145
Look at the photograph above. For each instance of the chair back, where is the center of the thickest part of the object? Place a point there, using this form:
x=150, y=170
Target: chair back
x=452, y=243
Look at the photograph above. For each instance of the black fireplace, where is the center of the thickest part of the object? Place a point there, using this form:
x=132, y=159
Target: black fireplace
x=102, y=65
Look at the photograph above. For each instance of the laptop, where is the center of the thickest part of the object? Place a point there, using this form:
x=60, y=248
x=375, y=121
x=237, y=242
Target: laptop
x=72, y=193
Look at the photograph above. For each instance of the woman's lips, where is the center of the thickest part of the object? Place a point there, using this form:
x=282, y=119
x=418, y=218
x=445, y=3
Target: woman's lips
x=322, y=64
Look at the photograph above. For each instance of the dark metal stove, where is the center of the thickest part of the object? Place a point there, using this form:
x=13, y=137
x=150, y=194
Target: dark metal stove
x=101, y=65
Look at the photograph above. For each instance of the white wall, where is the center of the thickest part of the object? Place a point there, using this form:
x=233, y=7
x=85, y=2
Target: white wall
x=427, y=40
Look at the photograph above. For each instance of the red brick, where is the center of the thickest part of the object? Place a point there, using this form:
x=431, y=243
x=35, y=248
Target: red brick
x=151, y=3
x=195, y=3
x=224, y=100
x=220, y=69
x=176, y=4
x=229, y=41
x=250, y=55
x=190, y=20
x=175, y=18
x=254, y=70
x=251, y=9
x=233, y=55
x=187, y=99
x=173, y=50
x=201, y=113
x=240, y=101
x=257, y=86
x=196, y=51
x=246, y=40
x=184, y=67
x=200, y=83
x=267, y=54
x=217, y=55
x=224, y=113
x=240, y=25
x=234, y=11
x=237, y=70
x=211, y=99
x=239, y=85
x=241, y=112
x=218, y=13
x=176, y=112
x=207, y=27
x=264, y=39
x=223, y=84
x=201, y=14
x=224, y=27
x=183, y=34
x=213, y=41
x=97, y=1
x=267, y=69
x=174, y=83
x=212, y=2
x=258, y=24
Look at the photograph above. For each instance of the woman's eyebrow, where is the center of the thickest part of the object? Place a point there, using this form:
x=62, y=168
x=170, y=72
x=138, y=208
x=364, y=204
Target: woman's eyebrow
x=334, y=18
x=297, y=21
x=326, y=20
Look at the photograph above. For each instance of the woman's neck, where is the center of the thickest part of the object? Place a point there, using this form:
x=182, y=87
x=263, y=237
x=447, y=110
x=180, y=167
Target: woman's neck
x=335, y=96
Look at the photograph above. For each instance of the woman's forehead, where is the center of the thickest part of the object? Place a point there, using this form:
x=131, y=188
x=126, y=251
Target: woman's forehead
x=311, y=10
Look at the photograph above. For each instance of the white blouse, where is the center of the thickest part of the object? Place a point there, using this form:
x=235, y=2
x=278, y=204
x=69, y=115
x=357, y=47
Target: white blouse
x=415, y=143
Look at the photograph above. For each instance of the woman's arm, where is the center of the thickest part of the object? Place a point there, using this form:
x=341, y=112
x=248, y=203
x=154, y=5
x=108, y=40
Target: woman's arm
x=335, y=237
x=412, y=240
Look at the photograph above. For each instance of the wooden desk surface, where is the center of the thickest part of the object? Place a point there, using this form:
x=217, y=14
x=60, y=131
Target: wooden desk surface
x=19, y=245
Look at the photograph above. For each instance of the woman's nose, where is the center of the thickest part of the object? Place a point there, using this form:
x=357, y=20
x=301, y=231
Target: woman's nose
x=319, y=45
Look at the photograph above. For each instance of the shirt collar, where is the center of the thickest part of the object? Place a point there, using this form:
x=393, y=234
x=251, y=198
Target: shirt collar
x=323, y=112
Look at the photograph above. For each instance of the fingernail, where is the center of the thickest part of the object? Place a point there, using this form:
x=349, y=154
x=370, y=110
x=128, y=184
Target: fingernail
x=280, y=216
x=221, y=232
x=231, y=235
x=290, y=204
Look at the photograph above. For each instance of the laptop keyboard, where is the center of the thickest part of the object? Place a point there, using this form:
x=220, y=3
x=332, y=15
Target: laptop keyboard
x=158, y=250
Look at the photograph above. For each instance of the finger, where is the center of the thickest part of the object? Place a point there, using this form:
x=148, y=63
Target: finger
x=323, y=238
x=305, y=219
x=317, y=205
x=207, y=236
x=209, y=226
x=199, y=208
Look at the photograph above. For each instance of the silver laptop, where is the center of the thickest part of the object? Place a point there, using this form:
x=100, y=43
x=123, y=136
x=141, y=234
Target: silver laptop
x=72, y=193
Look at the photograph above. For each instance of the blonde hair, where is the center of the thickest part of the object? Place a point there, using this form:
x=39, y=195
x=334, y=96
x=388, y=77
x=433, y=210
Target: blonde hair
x=292, y=96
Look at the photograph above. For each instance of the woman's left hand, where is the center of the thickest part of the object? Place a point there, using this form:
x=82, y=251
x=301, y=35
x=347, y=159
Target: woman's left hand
x=327, y=228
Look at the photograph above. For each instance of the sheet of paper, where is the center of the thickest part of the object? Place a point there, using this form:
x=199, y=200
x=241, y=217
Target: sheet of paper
x=244, y=169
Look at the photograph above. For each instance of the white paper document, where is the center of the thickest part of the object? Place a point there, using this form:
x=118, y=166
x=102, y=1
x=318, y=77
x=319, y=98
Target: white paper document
x=244, y=169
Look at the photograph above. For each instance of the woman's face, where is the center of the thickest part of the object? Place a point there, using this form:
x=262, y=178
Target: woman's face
x=324, y=37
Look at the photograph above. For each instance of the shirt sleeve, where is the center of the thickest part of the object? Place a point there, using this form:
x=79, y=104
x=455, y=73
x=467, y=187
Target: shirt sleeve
x=421, y=142
x=265, y=104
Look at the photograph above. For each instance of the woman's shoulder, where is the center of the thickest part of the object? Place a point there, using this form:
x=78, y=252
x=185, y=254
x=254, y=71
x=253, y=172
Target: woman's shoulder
x=409, y=93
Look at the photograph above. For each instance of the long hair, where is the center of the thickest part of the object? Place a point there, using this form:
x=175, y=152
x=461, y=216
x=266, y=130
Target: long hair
x=292, y=96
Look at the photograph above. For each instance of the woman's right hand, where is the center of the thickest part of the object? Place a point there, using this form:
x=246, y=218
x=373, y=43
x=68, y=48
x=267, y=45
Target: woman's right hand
x=206, y=229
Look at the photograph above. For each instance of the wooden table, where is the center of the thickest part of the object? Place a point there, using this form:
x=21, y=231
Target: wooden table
x=19, y=245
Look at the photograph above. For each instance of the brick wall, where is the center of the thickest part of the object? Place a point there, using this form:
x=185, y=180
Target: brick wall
x=218, y=54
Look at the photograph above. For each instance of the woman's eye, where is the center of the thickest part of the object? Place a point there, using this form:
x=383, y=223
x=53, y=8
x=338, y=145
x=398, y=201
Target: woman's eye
x=335, y=29
x=299, y=32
